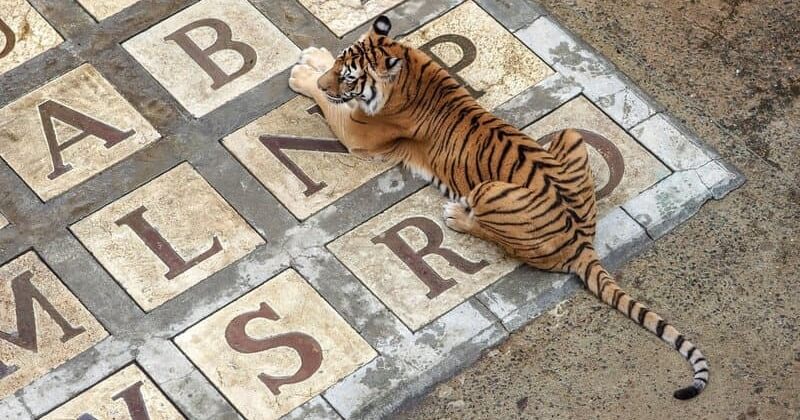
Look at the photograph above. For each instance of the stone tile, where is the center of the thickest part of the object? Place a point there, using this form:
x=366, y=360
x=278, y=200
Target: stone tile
x=70, y=130
x=342, y=16
x=24, y=34
x=166, y=236
x=102, y=9
x=212, y=52
x=621, y=167
x=304, y=347
x=35, y=338
x=315, y=409
x=667, y=142
x=294, y=154
x=601, y=83
x=128, y=393
x=537, y=101
x=513, y=14
x=488, y=58
x=669, y=203
x=3, y=221
x=416, y=265
x=720, y=178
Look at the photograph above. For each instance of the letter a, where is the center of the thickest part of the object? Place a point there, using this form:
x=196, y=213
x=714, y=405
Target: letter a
x=88, y=126
x=224, y=41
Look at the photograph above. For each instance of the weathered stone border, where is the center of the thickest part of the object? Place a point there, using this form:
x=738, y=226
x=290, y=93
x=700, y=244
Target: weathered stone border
x=409, y=363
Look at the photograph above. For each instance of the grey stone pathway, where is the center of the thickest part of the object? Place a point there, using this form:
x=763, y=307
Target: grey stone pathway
x=182, y=237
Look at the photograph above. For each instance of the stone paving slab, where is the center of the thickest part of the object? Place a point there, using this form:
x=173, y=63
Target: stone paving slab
x=85, y=126
x=25, y=34
x=45, y=334
x=127, y=393
x=178, y=52
x=222, y=241
x=101, y=9
x=275, y=348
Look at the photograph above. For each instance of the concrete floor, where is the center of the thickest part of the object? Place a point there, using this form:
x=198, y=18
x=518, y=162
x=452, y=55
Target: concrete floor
x=728, y=277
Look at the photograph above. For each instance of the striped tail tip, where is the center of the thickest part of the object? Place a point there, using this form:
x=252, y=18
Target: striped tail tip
x=689, y=392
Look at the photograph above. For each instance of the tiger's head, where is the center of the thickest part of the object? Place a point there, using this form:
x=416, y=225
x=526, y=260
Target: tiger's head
x=365, y=71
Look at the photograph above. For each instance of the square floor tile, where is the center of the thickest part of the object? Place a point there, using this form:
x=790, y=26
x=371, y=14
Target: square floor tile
x=294, y=154
x=102, y=9
x=70, y=130
x=475, y=48
x=213, y=52
x=24, y=34
x=621, y=167
x=42, y=324
x=275, y=348
x=127, y=394
x=415, y=264
x=166, y=236
x=342, y=16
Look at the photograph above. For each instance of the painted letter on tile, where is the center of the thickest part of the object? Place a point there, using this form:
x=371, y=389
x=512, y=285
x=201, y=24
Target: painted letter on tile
x=161, y=247
x=414, y=259
x=26, y=336
x=224, y=41
x=88, y=126
x=276, y=145
x=306, y=346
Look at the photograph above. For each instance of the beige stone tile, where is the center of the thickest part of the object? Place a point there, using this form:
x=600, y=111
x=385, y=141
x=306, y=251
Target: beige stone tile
x=166, y=236
x=482, y=53
x=88, y=123
x=448, y=267
x=42, y=324
x=116, y=397
x=622, y=162
x=282, y=329
x=304, y=166
x=245, y=49
x=24, y=34
x=342, y=16
x=102, y=9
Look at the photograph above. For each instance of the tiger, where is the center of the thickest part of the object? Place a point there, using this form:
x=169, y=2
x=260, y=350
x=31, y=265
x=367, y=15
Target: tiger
x=385, y=99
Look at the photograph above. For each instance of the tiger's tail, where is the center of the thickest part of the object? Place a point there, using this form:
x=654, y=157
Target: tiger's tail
x=600, y=282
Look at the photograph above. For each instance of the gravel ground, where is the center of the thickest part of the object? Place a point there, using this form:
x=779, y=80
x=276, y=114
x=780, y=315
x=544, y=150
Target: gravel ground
x=730, y=70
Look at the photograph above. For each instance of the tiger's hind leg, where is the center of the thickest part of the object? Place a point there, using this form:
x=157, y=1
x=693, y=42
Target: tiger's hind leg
x=472, y=215
x=527, y=224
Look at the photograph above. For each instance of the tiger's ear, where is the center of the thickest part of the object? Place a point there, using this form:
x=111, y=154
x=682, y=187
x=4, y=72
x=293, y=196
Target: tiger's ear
x=382, y=25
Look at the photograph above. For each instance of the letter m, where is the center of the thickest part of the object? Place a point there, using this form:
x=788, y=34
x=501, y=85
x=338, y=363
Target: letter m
x=24, y=294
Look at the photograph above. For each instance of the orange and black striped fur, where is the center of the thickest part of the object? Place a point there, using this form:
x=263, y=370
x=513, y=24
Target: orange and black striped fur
x=383, y=98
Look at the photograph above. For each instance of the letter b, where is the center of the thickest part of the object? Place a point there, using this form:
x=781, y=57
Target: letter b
x=224, y=41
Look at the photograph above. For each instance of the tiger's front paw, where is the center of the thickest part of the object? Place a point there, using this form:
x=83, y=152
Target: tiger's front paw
x=303, y=79
x=319, y=58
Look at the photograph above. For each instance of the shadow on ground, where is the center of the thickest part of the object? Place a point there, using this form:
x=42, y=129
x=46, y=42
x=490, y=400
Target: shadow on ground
x=730, y=70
